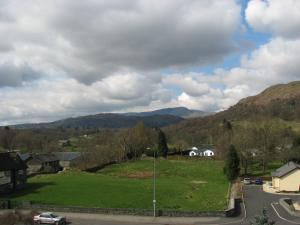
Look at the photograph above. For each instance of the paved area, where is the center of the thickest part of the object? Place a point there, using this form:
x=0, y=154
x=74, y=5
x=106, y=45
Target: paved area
x=256, y=199
x=269, y=189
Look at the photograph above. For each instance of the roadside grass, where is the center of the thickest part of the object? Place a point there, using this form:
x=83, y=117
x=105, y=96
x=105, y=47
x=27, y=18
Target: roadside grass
x=196, y=185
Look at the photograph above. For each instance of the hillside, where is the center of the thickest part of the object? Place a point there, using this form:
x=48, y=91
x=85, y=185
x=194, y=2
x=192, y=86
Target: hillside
x=107, y=120
x=274, y=93
x=279, y=101
x=276, y=102
x=177, y=111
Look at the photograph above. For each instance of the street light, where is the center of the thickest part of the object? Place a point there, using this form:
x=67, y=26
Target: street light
x=154, y=184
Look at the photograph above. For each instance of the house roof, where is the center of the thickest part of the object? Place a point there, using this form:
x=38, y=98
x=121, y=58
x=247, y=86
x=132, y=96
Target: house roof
x=11, y=161
x=201, y=150
x=67, y=156
x=197, y=150
x=285, y=169
x=24, y=156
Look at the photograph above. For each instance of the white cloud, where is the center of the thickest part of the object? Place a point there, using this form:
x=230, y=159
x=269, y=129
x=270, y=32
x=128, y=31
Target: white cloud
x=188, y=84
x=46, y=100
x=280, y=17
x=90, y=40
x=272, y=63
x=68, y=58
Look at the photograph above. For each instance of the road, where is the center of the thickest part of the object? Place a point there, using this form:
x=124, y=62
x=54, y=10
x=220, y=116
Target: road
x=256, y=199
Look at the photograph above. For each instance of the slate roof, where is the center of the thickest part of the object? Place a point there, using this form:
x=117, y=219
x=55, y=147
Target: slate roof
x=67, y=156
x=197, y=151
x=285, y=169
x=24, y=156
x=11, y=161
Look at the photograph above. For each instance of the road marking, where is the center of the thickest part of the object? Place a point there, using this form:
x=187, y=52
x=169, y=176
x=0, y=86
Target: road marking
x=289, y=221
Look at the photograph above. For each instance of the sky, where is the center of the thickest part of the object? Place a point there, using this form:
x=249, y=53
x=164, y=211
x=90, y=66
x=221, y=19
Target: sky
x=69, y=58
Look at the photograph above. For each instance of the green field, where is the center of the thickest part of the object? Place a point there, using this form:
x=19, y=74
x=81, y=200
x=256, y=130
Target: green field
x=196, y=185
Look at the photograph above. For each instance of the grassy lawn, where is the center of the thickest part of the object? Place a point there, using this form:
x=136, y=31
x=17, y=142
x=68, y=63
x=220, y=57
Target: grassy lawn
x=181, y=184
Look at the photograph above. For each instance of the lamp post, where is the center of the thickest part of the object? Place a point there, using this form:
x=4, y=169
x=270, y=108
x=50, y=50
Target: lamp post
x=154, y=186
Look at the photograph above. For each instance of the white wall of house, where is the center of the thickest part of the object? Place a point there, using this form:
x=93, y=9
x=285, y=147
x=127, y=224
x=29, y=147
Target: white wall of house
x=192, y=153
x=208, y=153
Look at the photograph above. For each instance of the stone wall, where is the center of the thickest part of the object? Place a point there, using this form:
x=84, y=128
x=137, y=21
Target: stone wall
x=287, y=204
x=121, y=211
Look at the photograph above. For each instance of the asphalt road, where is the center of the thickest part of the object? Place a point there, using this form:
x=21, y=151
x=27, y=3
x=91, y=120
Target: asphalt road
x=256, y=199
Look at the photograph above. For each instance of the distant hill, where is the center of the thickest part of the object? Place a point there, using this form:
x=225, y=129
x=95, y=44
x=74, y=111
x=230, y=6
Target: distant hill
x=177, y=111
x=106, y=120
x=157, y=118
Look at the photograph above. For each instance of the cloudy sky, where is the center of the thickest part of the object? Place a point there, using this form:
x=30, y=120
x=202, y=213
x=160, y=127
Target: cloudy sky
x=72, y=57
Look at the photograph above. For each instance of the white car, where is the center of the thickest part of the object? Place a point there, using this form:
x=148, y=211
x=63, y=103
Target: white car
x=49, y=218
x=247, y=180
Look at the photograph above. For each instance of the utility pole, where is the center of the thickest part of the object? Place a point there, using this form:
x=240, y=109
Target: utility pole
x=154, y=186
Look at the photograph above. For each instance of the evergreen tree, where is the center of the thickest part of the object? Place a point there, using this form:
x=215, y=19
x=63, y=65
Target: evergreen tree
x=232, y=164
x=162, y=144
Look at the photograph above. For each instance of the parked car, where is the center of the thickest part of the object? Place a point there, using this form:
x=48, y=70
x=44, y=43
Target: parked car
x=49, y=218
x=247, y=180
x=259, y=181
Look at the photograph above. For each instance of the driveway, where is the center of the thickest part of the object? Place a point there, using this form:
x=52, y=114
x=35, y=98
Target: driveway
x=256, y=199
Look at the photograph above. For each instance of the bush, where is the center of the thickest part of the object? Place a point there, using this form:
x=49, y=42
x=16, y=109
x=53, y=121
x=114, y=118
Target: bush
x=13, y=218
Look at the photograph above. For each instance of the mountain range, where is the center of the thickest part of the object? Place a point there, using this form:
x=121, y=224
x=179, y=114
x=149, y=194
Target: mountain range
x=157, y=118
x=279, y=101
x=177, y=111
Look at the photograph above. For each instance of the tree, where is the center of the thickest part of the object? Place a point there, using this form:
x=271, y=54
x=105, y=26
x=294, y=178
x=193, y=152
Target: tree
x=224, y=137
x=8, y=138
x=244, y=142
x=232, y=164
x=136, y=140
x=262, y=220
x=180, y=145
x=162, y=146
x=267, y=138
x=292, y=153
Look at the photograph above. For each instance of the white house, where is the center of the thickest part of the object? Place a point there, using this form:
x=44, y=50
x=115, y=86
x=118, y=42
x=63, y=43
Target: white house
x=287, y=178
x=208, y=152
x=195, y=152
x=201, y=152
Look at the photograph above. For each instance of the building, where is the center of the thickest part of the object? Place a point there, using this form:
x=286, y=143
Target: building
x=208, y=153
x=194, y=151
x=201, y=152
x=12, y=172
x=43, y=163
x=68, y=159
x=287, y=178
x=25, y=156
